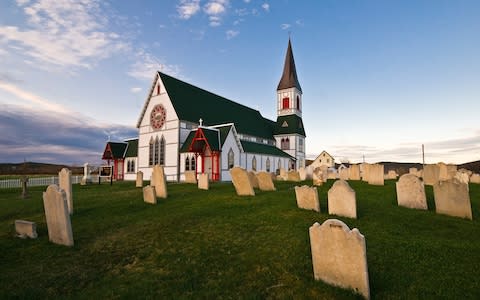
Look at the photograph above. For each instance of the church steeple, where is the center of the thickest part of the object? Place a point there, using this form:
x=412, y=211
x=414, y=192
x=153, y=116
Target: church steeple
x=289, y=77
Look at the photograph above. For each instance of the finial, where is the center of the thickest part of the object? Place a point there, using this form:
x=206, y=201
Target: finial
x=200, y=121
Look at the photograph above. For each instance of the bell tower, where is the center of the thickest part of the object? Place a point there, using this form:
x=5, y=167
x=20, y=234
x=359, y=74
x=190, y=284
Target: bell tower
x=289, y=131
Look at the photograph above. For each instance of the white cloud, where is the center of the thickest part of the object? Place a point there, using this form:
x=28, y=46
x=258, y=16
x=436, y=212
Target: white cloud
x=299, y=22
x=266, y=6
x=214, y=9
x=246, y=1
x=135, y=90
x=187, y=8
x=231, y=34
x=285, y=26
x=66, y=33
x=147, y=64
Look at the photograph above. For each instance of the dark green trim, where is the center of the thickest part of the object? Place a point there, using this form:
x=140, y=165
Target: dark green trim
x=251, y=147
x=294, y=125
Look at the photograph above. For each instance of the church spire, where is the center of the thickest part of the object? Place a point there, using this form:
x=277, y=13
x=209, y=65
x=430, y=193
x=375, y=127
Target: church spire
x=289, y=77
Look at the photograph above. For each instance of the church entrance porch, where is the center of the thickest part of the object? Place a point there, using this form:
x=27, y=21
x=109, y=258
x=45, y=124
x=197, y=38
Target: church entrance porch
x=204, y=142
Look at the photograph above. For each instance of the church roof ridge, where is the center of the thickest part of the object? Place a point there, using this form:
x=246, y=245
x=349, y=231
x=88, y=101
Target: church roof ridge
x=289, y=76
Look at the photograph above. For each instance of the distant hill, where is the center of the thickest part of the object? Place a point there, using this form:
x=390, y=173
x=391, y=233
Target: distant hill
x=473, y=166
x=33, y=168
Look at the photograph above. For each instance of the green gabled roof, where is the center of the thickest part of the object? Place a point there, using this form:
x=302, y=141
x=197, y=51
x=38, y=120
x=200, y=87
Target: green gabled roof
x=188, y=141
x=211, y=135
x=192, y=103
x=251, y=147
x=224, y=130
x=117, y=150
x=289, y=124
x=132, y=148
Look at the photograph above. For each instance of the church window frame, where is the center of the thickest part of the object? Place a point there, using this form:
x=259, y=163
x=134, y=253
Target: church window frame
x=187, y=163
x=151, y=152
x=156, y=151
x=285, y=103
x=193, y=166
x=267, y=164
x=285, y=143
x=231, y=159
x=298, y=102
x=161, y=151
x=254, y=163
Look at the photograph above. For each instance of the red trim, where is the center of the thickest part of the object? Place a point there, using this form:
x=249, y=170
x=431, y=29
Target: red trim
x=286, y=103
x=214, y=156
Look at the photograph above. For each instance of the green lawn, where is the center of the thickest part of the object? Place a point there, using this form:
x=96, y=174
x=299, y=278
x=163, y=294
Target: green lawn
x=214, y=244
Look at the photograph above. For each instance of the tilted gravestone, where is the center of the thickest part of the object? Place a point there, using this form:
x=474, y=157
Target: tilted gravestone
x=307, y=198
x=57, y=215
x=160, y=181
x=241, y=182
x=203, y=183
x=354, y=172
x=411, y=192
x=375, y=174
x=339, y=256
x=430, y=174
x=253, y=179
x=293, y=176
x=24, y=181
x=452, y=198
x=392, y=174
x=139, y=179
x=283, y=174
x=342, y=200
x=191, y=177
x=149, y=195
x=65, y=183
x=265, y=182
x=26, y=229
x=462, y=177
x=413, y=171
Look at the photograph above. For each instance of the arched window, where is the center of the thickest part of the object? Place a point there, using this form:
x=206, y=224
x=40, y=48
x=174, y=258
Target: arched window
x=133, y=166
x=193, y=166
x=187, y=164
x=254, y=163
x=231, y=159
x=156, y=147
x=158, y=89
x=298, y=102
x=267, y=164
x=161, y=151
x=151, y=152
x=285, y=103
x=285, y=143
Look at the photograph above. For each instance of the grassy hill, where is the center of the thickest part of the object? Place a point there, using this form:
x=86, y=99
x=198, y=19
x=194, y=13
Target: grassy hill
x=213, y=244
x=33, y=168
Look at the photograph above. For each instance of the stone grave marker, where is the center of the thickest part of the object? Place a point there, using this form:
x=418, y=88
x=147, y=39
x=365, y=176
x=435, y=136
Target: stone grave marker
x=317, y=177
x=149, y=195
x=452, y=198
x=302, y=173
x=283, y=174
x=375, y=174
x=343, y=174
x=191, y=177
x=65, y=183
x=411, y=192
x=365, y=168
x=253, y=179
x=265, y=182
x=430, y=174
x=339, y=256
x=293, y=176
x=392, y=174
x=57, y=215
x=24, y=181
x=332, y=174
x=342, y=200
x=307, y=198
x=354, y=173
x=462, y=177
x=442, y=171
x=26, y=229
x=139, y=180
x=413, y=171
x=241, y=182
x=160, y=182
x=203, y=183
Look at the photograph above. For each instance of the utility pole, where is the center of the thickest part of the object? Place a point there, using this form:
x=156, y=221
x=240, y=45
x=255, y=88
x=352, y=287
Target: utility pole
x=423, y=155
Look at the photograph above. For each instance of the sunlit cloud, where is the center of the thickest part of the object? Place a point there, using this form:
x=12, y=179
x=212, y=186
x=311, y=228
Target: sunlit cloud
x=266, y=7
x=285, y=26
x=147, y=65
x=187, y=8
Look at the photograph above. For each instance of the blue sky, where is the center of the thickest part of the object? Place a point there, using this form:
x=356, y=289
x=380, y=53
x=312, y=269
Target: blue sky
x=380, y=78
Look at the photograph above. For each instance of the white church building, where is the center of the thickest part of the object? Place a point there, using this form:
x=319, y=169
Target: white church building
x=186, y=128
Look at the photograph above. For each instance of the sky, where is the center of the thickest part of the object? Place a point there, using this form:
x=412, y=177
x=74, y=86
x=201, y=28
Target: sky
x=379, y=78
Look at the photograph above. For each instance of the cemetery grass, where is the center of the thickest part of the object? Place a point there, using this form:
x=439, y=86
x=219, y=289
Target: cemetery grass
x=214, y=244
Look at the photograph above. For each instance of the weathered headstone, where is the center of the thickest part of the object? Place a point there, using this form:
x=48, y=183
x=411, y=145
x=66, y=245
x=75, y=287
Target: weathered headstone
x=265, y=182
x=203, y=183
x=293, y=176
x=342, y=200
x=365, y=171
x=331, y=174
x=475, y=178
x=411, y=192
x=302, y=173
x=87, y=178
x=65, y=183
x=413, y=171
x=283, y=174
x=317, y=177
x=149, y=195
x=139, y=179
x=26, y=229
x=430, y=174
x=354, y=173
x=241, y=182
x=462, y=177
x=160, y=181
x=24, y=181
x=344, y=174
x=191, y=177
x=253, y=179
x=375, y=174
x=392, y=174
x=339, y=256
x=57, y=215
x=452, y=198
x=307, y=198
x=442, y=171
x=451, y=171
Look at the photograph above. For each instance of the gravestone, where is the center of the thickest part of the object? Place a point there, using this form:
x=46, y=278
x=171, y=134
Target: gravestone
x=26, y=229
x=307, y=198
x=343, y=174
x=57, y=215
x=342, y=200
x=413, y=171
x=451, y=171
x=203, y=183
x=293, y=176
x=191, y=177
x=475, y=178
x=411, y=192
x=24, y=181
x=354, y=173
x=442, y=171
x=283, y=174
x=430, y=174
x=365, y=168
x=86, y=179
x=241, y=182
x=265, y=182
x=160, y=181
x=65, y=183
x=253, y=179
x=339, y=256
x=317, y=177
x=302, y=173
x=462, y=177
x=392, y=174
x=149, y=195
x=375, y=174
x=452, y=198
x=331, y=174
x=139, y=181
